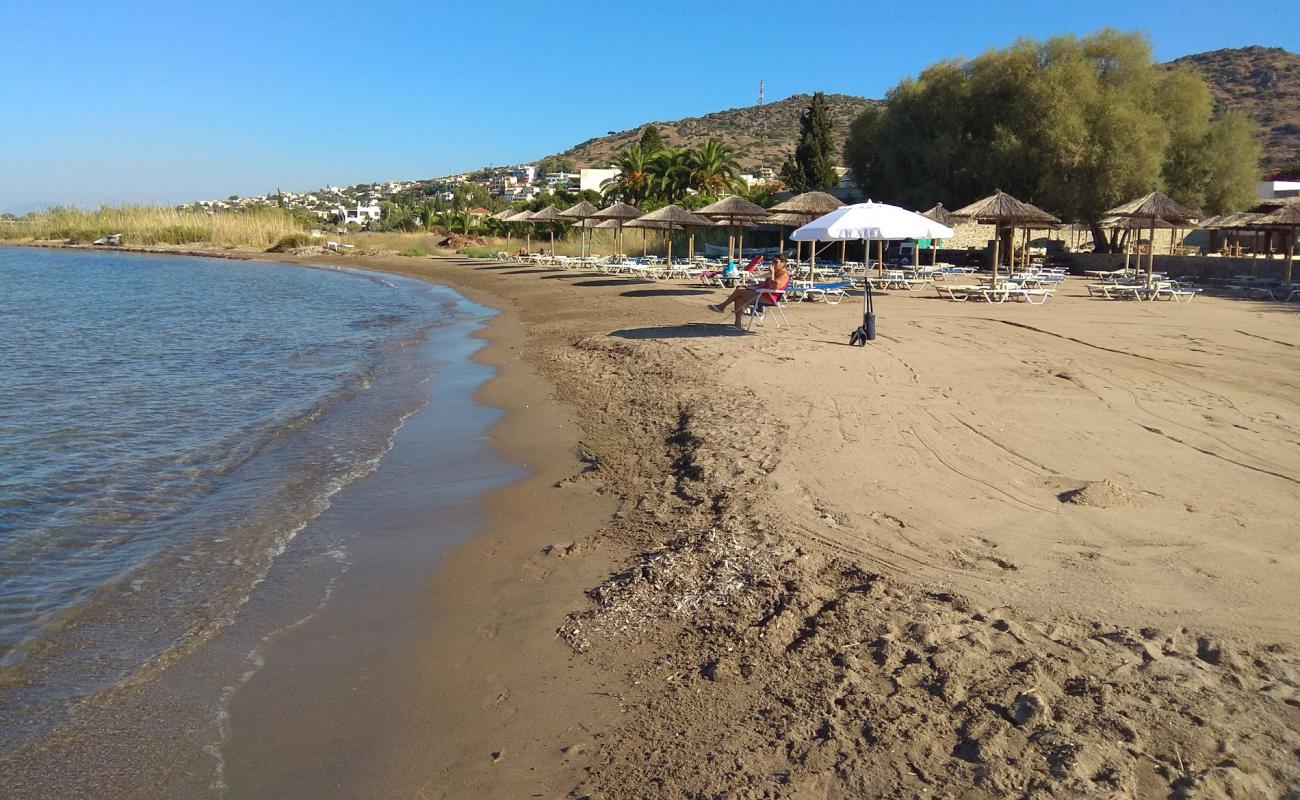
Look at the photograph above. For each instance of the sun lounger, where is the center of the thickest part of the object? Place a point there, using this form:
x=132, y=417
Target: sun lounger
x=958, y=292
x=829, y=293
x=1034, y=297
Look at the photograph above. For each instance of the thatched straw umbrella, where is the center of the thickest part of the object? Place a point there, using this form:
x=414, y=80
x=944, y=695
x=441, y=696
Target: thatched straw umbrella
x=582, y=211
x=940, y=215
x=548, y=214
x=501, y=216
x=734, y=211
x=1046, y=222
x=620, y=213
x=805, y=208
x=999, y=209
x=1287, y=218
x=1152, y=207
x=1130, y=224
x=522, y=218
x=672, y=217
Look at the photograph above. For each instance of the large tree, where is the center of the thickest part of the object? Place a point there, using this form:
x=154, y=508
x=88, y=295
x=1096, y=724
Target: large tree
x=812, y=167
x=1075, y=125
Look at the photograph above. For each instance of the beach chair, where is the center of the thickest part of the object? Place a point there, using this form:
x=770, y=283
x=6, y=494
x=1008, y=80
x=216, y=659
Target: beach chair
x=768, y=300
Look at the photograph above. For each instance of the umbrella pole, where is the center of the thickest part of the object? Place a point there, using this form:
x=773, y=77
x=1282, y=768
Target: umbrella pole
x=780, y=231
x=508, y=242
x=690, y=245
x=844, y=248
x=880, y=257
x=1151, y=257
x=741, y=249
x=997, y=241
x=812, y=260
x=552, y=244
x=1290, y=254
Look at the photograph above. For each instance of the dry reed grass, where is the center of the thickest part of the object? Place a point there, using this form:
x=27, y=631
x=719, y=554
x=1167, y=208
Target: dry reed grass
x=156, y=225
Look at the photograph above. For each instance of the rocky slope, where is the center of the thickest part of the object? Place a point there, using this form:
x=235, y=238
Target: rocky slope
x=1263, y=82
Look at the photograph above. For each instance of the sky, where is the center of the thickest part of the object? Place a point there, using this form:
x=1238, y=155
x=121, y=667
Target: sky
x=164, y=102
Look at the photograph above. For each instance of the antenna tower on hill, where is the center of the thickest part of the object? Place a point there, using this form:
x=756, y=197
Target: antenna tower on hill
x=760, y=91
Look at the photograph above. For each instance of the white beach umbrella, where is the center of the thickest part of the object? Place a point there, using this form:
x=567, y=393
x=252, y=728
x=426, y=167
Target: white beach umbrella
x=870, y=222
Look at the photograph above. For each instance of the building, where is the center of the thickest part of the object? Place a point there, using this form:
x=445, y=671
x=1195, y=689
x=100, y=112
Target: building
x=561, y=179
x=361, y=216
x=524, y=173
x=593, y=179
x=1270, y=190
x=500, y=184
x=517, y=193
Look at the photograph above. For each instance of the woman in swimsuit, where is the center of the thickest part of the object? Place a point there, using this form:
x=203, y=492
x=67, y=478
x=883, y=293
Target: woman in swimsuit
x=743, y=296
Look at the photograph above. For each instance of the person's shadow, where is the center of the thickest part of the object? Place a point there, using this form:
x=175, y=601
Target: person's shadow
x=690, y=330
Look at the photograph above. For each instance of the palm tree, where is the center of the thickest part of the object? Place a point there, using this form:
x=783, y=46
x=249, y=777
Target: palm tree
x=632, y=183
x=671, y=173
x=446, y=220
x=714, y=168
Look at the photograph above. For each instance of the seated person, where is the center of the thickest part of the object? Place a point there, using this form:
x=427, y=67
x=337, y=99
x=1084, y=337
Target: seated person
x=742, y=297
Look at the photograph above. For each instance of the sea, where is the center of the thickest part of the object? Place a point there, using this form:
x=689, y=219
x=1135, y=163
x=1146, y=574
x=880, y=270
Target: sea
x=170, y=429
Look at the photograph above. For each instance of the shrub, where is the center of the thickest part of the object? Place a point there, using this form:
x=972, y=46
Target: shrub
x=290, y=241
x=478, y=252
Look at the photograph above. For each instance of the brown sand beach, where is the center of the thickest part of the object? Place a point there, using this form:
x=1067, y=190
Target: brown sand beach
x=1037, y=551
x=1005, y=550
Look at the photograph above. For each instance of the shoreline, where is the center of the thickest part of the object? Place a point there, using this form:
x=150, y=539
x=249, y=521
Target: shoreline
x=888, y=590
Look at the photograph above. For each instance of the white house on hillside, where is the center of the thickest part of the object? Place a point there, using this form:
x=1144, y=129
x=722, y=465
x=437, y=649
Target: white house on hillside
x=361, y=215
x=593, y=178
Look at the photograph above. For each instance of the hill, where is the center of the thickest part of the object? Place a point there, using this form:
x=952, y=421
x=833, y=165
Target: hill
x=763, y=135
x=1262, y=82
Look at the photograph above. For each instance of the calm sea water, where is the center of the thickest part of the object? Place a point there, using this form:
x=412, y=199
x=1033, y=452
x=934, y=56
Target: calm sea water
x=167, y=425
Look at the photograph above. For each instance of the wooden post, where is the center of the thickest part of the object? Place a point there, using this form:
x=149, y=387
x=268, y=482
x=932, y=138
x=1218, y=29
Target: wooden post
x=880, y=257
x=997, y=242
x=1290, y=254
x=740, y=251
x=1151, y=258
x=844, y=246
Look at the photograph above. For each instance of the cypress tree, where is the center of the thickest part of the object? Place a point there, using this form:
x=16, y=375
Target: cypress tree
x=651, y=141
x=814, y=156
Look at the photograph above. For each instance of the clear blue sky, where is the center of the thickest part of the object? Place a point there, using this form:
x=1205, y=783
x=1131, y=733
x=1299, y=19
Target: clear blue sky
x=170, y=101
